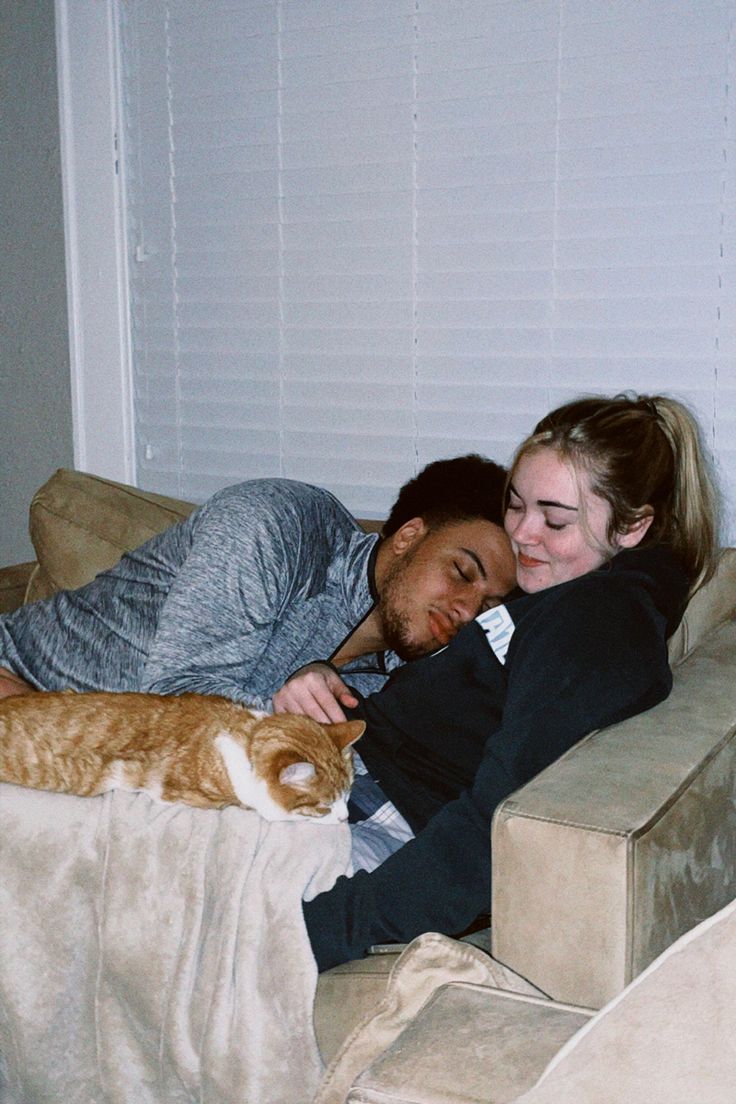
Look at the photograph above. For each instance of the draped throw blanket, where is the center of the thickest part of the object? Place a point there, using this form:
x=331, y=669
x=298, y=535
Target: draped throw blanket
x=156, y=953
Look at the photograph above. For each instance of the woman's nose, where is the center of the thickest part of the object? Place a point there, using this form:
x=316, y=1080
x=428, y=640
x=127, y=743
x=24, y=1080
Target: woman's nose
x=526, y=531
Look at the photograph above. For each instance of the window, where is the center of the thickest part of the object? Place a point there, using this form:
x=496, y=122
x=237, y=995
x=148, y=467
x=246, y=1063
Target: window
x=364, y=234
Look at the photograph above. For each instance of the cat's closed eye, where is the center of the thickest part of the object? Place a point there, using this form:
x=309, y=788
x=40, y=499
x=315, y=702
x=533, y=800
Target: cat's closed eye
x=203, y=750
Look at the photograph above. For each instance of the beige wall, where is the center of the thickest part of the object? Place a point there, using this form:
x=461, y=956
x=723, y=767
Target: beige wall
x=35, y=405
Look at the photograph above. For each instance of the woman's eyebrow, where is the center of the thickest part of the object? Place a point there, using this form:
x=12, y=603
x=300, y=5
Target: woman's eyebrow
x=545, y=501
x=559, y=505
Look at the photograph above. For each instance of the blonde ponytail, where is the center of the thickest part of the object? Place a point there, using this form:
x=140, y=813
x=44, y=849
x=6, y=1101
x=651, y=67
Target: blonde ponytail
x=643, y=454
x=694, y=500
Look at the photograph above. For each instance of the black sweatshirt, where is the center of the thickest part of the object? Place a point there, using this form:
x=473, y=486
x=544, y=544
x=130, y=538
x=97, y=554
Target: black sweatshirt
x=452, y=734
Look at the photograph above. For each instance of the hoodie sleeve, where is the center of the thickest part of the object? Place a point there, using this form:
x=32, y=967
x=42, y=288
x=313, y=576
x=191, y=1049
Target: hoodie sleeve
x=574, y=665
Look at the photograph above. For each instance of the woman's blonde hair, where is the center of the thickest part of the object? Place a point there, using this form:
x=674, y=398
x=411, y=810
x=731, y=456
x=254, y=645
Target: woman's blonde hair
x=641, y=451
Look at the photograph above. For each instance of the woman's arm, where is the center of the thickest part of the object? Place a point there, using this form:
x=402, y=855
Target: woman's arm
x=595, y=660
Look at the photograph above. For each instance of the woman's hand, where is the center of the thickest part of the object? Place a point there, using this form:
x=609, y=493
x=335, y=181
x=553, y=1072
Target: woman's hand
x=317, y=691
x=10, y=684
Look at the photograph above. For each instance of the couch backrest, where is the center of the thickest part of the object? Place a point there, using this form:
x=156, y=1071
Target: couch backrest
x=709, y=607
x=81, y=524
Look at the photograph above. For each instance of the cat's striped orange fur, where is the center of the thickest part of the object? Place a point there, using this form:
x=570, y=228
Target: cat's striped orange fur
x=199, y=749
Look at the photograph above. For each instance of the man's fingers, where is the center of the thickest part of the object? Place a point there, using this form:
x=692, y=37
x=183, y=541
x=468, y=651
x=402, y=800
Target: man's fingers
x=317, y=692
x=332, y=712
x=321, y=708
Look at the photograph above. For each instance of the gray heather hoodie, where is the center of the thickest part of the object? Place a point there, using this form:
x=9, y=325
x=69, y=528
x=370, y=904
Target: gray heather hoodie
x=264, y=577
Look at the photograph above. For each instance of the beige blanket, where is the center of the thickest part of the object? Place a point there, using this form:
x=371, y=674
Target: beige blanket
x=156, y=953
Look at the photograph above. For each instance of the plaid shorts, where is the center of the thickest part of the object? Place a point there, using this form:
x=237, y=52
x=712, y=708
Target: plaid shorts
x=376, y=825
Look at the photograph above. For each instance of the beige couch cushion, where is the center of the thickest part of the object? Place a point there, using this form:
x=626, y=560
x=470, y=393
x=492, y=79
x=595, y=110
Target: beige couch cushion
x=469, y=1045
x=709, y=607
x=430, y=961
x=346, y=996
x=82, y=524
x=670, y=1038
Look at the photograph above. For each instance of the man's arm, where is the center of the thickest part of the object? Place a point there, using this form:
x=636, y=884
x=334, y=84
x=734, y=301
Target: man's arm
x=215, y=630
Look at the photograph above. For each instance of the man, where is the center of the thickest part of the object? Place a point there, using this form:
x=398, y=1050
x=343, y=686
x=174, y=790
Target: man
x=269, y=576
x=444, y=552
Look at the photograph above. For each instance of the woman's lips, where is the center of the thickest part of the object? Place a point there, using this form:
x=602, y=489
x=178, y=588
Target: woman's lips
x=528, y=561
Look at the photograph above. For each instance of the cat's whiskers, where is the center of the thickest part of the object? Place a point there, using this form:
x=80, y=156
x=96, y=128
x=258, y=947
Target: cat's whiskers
x=199, y=749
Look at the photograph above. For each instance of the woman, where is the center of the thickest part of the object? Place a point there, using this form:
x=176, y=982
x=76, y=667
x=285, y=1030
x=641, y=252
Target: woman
x=611, y=514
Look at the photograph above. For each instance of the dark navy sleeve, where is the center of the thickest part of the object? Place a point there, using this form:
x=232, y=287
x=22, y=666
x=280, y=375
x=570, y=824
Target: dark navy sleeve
x=573, y=665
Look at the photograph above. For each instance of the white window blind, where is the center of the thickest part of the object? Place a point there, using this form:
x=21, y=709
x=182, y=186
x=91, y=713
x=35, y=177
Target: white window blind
x=368, y=233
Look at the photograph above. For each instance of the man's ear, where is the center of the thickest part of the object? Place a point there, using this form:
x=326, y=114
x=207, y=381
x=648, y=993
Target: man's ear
x=635, y=532
x=407, y=535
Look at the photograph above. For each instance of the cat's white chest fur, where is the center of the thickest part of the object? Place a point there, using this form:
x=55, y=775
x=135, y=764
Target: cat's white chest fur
x=249, y=790
x=253, y=791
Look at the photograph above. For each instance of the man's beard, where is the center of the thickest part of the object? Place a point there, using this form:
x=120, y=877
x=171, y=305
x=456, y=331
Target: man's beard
x=396, y=624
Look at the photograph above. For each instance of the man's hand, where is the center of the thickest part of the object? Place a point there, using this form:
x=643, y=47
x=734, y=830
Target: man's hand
x=316, y=690
x=10, y=684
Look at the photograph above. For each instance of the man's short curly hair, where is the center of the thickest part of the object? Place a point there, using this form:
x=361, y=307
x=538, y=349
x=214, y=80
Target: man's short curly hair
x=461, y=488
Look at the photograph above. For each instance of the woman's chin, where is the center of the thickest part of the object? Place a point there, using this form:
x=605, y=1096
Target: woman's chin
x=532, y=579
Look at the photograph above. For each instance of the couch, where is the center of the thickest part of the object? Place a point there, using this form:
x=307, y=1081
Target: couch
x=600, y=863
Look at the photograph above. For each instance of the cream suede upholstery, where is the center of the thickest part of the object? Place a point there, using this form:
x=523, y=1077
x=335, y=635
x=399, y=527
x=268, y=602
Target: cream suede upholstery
x=82, y=524
x=598, y=864
x=468, y=1044
x=628, y=840
x=669, y=1038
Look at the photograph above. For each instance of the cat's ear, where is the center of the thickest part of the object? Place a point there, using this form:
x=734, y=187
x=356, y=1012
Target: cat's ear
x=297, y=774
x=345, y=733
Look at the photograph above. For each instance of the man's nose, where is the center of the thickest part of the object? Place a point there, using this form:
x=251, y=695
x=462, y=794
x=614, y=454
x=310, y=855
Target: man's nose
x=467, y=604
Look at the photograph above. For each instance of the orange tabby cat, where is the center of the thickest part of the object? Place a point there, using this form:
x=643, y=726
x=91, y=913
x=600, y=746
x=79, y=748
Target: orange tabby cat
x=203, y=750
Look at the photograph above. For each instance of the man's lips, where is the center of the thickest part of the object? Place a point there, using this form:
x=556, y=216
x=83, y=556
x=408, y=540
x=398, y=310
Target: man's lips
x=441, y=627
x=528, y=561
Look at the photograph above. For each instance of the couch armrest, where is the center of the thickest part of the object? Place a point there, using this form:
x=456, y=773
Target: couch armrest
x=709, y=607
x=625, y=842
x=469, y=1044
x=13, y=583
